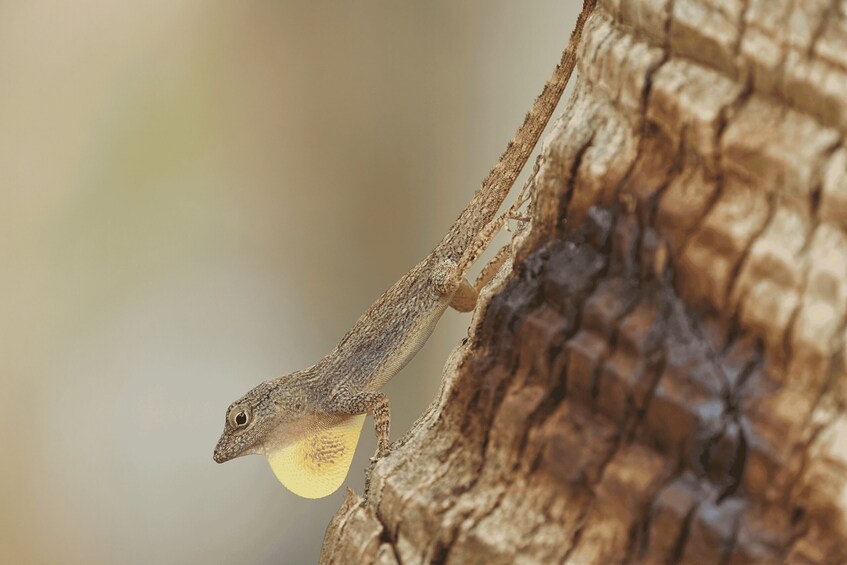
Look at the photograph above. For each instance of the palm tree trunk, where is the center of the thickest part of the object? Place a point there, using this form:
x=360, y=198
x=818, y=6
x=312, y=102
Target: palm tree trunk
x=661, y=376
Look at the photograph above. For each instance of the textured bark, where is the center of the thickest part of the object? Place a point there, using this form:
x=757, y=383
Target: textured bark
x=661, y=378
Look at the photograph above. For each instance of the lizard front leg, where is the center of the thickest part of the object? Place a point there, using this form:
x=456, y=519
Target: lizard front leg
x=375, y=404
x=450, y=282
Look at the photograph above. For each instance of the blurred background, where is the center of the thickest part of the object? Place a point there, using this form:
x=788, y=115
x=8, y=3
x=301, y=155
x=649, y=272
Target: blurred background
x=199, y=196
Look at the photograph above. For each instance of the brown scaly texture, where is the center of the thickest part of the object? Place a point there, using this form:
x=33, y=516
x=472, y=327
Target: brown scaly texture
x=283, y=411
x=662, y=377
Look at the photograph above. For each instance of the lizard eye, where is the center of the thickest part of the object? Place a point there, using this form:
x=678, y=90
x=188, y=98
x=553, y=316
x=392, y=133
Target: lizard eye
x=239, y=417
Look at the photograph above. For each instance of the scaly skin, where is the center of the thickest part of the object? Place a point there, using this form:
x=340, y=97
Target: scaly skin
x=300, y=408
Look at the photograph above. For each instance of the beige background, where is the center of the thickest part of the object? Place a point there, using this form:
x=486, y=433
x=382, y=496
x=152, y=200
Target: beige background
x=198, y=196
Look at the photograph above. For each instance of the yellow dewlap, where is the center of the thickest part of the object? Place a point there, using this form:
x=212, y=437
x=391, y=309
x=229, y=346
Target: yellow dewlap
x=317, y=465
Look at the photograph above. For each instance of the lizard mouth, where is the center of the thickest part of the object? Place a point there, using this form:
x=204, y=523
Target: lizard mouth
x=222, y=454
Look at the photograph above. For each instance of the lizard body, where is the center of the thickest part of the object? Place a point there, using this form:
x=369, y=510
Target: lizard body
x=308, y=423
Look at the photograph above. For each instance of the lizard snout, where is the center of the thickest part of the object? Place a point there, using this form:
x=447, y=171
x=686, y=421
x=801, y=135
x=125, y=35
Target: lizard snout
x=221, y=455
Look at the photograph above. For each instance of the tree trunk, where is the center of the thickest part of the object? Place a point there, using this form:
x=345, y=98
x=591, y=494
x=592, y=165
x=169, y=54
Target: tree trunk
x=660, y=377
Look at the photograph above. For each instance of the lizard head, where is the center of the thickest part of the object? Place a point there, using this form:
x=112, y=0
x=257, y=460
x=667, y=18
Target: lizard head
x=309, y=451
x=261, y=418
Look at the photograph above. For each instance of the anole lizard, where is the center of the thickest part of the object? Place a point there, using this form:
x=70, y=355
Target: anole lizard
x=308, y=423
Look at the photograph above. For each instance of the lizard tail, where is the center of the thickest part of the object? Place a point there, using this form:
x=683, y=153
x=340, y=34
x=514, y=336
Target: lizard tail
x=473, y=230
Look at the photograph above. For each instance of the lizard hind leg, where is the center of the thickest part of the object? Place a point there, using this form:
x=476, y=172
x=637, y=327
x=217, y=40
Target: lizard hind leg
x=465, y=297
x=448, y=281
x=492, y=267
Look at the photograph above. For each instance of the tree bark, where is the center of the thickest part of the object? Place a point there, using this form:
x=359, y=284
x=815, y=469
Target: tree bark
x=660, y=378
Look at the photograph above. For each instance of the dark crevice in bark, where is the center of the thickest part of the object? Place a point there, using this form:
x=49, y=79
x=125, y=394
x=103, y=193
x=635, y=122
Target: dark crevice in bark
x=440, y=554
x=577, y=535
x=679, y=545
x=741, y=261
x=742, y=30
x=572, y=175
x=736, y=471
x=387, y=540
x=733, y=539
